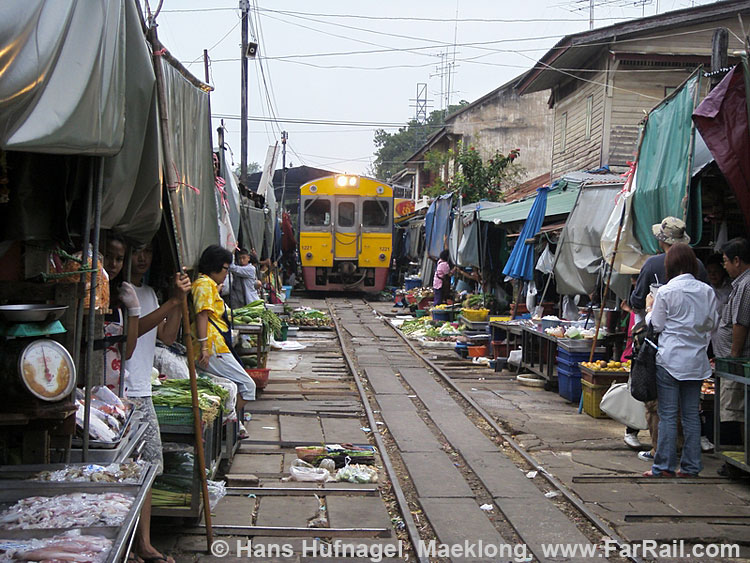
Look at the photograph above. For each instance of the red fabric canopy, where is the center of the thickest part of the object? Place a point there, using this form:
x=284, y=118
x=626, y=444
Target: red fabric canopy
x=722, y=119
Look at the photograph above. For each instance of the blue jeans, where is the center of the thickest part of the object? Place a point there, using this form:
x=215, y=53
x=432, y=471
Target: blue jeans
x=683, y=397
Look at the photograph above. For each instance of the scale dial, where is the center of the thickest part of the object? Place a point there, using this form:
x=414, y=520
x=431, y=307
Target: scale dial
x=47, y=370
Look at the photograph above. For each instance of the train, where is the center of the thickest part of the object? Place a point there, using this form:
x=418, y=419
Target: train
x=345, y=233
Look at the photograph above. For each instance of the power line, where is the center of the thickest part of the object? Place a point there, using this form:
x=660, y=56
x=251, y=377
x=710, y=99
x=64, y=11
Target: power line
x=386, y=125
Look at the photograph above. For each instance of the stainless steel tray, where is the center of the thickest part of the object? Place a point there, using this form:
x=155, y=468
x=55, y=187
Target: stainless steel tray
x=78, y=441
x=13, y=491
x=32, y=313
x=118, y=454
x=20, y=476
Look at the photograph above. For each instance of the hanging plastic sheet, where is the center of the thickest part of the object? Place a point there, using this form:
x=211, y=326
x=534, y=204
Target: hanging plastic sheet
x=468, y=248
x=253, y=225
x=722, y=119
x=520, y=264
x=630, y=256
x=437, y=225
x=190, y=127
x=232, y=191
x=63, y=76
x=454, y=239
x=46, y=186
x=662, y=173
x=578, y=258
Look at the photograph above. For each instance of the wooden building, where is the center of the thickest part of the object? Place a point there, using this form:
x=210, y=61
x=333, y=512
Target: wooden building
x=603, y=81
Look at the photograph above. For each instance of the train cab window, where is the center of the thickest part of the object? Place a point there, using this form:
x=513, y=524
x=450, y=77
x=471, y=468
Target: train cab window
x=375, y=213
x=346, y=214
x=317, y=212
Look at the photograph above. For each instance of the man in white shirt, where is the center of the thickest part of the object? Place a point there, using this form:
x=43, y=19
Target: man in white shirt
x=162, y=321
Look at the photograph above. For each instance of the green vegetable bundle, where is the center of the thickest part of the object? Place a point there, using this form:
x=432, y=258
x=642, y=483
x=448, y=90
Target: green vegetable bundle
x=176, y=393
x=256, y=312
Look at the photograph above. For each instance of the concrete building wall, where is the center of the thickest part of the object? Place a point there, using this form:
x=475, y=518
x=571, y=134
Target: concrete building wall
x=507, y=121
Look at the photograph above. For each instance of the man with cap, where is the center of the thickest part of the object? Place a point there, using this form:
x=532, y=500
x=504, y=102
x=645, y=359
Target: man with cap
x=670, y=231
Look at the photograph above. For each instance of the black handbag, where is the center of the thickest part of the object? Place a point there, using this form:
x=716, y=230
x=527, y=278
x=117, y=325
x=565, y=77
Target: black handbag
x=643, y=369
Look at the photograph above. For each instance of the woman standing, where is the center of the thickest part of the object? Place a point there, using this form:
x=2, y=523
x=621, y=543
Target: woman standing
x=213, y=341
x=684, y=313
x=442, y=273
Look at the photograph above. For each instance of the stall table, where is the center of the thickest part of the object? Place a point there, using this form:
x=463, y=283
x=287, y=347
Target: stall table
x=260, y=350
x=736, y=458
x=539, y=355
x=15, y=486
x=212, y=447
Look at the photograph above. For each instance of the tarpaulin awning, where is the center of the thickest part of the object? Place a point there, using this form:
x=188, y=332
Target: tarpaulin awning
x=560, y=200
x=62, y=76
x=578, y=258
x=190, y=127
x=437, y=225
x=253, y=222
x=520, y=264
x=662, y=173
x=722, y=119
x=48, y=126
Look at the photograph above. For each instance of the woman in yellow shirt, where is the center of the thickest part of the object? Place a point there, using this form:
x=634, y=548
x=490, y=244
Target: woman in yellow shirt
x=212, y=338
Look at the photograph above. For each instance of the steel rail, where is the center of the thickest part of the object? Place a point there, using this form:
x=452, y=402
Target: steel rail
x=551, y=479
x=403, y=504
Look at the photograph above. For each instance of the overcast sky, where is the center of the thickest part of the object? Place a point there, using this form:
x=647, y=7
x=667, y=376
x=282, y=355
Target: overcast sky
x=357, y=64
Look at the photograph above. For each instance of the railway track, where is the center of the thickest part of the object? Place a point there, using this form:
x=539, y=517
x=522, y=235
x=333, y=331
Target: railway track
x=448, y=460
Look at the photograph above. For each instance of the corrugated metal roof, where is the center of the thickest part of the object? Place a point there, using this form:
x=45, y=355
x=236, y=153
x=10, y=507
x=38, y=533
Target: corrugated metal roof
x=560, y=201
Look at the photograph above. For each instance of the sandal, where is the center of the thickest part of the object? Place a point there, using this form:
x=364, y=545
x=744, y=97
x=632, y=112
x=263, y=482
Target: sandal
x=650, y=473
x=684, y=475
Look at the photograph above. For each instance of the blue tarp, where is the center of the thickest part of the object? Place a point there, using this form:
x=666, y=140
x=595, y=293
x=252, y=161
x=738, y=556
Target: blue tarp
x=437, y=225
x=520, y=264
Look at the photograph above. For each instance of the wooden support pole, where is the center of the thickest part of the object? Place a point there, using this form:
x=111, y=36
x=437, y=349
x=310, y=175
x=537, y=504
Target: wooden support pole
x=172, y=185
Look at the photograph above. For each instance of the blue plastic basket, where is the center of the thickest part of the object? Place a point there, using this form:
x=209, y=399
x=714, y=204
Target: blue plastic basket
x=573, y=358
x=569, y=384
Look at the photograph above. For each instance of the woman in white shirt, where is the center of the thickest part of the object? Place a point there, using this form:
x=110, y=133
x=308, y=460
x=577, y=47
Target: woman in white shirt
x=684, y=313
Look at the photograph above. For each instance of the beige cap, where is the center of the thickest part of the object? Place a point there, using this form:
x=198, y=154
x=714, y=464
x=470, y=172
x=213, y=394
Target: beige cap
x=671, y=230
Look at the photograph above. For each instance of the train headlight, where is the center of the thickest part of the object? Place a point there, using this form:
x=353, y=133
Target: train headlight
x=382, y=257
x=380, y=190
x=313, y=189
x=308, y=255
x=341, y=181
x=344, y=181
x=352, y=181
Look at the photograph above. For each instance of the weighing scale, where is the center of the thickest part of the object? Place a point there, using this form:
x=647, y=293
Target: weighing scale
x=30, y=361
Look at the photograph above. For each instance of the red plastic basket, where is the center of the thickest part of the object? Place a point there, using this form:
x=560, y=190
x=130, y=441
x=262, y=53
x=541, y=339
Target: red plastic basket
x=259, y=375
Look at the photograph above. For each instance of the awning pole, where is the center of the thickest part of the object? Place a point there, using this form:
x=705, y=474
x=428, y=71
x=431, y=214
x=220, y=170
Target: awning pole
x=626, y=188
x=172, y=185
x=91, y=321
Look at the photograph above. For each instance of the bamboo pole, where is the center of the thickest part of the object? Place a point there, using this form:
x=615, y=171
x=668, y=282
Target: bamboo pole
x=626, y=188
x=172, y=185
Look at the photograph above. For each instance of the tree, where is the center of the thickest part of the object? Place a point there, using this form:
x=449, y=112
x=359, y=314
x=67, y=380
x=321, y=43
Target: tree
x=474, y=179
x=252, y=168
x=392, y=149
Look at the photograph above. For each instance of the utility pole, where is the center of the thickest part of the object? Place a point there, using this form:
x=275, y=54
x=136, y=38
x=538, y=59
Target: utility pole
x=284, y=137
x=591, y=14
x=244, y=7
x=220, y=132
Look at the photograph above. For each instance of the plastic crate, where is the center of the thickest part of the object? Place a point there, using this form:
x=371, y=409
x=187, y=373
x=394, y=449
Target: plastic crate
x=604, y=377
x=592, y=396
x=735, y=366
x=574, y=358
x=174, y=416
x=412, y=283
x=445, y=315
x=477, y=351
x=569, y=385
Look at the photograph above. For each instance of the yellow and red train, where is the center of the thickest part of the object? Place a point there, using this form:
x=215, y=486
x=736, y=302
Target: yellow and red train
x=346, y=233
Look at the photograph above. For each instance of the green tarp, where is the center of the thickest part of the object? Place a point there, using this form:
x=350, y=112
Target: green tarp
x=663, y=168
x=560, y=201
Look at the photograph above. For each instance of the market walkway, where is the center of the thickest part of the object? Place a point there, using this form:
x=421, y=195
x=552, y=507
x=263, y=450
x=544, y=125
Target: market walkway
x=588, y=455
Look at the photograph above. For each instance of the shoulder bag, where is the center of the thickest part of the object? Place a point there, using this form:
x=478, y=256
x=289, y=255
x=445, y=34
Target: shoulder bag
x=643, y=369
x=620, y=405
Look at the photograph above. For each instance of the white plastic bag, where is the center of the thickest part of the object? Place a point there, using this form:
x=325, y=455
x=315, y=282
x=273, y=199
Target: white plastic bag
x=620, y=405
x=530, y=295
x=630, y=257
x=357, y=474
x=303, y=471
x=546, y=261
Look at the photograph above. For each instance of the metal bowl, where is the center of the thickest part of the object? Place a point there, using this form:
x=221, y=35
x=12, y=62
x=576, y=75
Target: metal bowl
x=31, y=313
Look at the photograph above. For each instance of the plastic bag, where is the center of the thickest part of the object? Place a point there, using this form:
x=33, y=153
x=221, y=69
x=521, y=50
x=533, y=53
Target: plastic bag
x=630, y=257
x=303, y=471
x=357, y=474
x=217, y=490
x=546, y=261
x=530, y=295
